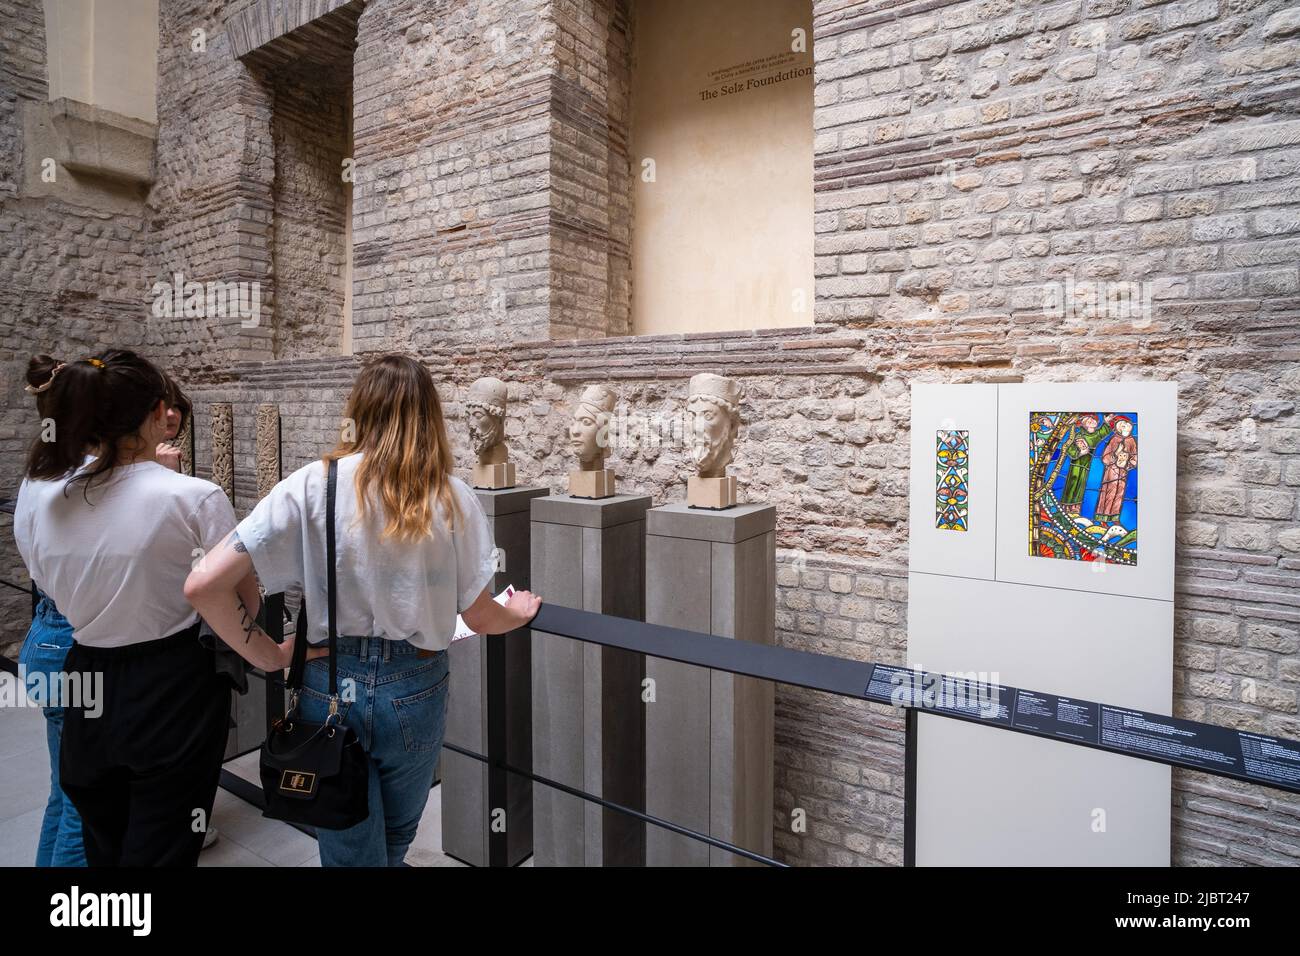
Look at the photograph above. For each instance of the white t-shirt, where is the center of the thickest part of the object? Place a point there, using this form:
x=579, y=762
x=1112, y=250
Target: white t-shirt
x=399, y=590
x=116, y=566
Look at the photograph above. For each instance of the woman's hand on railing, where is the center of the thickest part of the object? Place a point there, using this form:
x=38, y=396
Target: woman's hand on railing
x=525, y=605
x=486, y=616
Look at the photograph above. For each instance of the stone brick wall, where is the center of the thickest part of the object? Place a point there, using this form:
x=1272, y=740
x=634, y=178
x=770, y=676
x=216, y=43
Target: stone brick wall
x=969, y=155
x=590, y=182
x=72, y=256
x=212, y=199
x=309, y=395
x=824, y=436
x=977, y=165
x=22, y=77
x=309, y=126
x=491, y=179
x=975, y=159
x=840, y=761
x=451, y=202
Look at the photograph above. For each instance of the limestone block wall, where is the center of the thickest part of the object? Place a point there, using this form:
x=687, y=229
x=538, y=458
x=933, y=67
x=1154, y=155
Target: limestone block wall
x=491, y=179
x=452, y=141
x=825, y=437
x=308, y=395
x=980, y=168
x=212, y=198
x=72, y=255
x=309, y=127
x=590, y=172
x=1012, y=191
x=1005, y=191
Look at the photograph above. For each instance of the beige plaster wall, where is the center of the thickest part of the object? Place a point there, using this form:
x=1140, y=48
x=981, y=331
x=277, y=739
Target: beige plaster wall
x=723, y=236
x=104, y=52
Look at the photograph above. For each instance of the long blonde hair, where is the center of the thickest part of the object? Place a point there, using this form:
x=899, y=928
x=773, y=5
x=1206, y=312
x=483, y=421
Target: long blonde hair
x=396, y=422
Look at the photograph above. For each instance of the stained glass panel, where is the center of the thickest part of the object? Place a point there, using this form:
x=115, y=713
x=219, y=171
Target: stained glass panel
x=1083, y=484
x=952, y=480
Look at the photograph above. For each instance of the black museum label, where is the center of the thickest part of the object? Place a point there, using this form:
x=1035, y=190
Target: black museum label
x=1258, y=758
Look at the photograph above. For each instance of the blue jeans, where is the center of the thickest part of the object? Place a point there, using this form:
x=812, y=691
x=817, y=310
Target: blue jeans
x=43, y=653
x=398, y=711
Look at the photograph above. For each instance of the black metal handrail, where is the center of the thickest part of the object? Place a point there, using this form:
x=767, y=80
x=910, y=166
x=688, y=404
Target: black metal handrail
x=879, y=684
x=619, y=808
x=861, y=680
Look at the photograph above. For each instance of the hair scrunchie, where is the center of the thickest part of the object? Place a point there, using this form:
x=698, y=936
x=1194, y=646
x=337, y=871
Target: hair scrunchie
x=37, y=389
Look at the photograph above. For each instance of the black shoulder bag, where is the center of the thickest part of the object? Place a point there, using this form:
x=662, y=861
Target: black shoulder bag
x=316, y=774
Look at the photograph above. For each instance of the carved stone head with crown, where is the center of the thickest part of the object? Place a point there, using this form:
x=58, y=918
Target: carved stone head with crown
x=713, y=411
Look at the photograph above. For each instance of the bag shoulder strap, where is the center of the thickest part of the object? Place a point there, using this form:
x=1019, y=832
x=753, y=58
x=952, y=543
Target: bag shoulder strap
x=299, y=663
x=331, y=488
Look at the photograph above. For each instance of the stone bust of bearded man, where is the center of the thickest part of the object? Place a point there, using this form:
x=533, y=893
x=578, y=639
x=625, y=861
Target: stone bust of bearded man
x=713, y=407
x=486, y=409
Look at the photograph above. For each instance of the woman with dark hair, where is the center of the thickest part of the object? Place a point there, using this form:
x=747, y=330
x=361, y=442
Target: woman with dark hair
x=178, y=413
x=413, y=550
x=40, y=662
x=111, y=539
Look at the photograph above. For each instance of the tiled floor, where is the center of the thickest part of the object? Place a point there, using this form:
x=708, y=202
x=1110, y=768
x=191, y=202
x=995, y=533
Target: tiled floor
x=24, y=779
x=246, y=838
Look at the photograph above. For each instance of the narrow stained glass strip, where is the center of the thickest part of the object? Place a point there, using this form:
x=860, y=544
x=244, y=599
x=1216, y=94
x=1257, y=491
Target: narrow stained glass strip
x=952, y=478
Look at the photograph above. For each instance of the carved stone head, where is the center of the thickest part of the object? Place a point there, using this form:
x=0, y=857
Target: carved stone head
x=589, y=431
x=486, y=408
x=713, y=407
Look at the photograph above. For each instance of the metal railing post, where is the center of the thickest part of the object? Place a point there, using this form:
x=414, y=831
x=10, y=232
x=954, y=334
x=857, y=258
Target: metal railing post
x=498, y=797
x=910, y=717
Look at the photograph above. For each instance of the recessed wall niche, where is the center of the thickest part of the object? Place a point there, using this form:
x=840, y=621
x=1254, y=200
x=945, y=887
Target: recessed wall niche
x=722, y=164
x=311, y=247
x=305, y=75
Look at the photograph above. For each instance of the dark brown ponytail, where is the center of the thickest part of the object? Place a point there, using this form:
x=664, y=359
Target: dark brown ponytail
x=93, y=404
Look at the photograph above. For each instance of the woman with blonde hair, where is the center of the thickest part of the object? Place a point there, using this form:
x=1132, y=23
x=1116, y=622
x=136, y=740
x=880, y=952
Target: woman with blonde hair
x=413, y=550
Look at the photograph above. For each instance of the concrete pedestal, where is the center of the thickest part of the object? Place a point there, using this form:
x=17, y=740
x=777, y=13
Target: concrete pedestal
x=489, y=711
x=588, y=717
x=709, y=745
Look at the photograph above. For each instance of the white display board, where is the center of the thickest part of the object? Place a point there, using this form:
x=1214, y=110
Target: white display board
x=1080, y=626
x=969, y=553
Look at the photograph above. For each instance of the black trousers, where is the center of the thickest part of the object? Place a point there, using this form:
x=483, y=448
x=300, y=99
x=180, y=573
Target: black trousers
x=141, y=769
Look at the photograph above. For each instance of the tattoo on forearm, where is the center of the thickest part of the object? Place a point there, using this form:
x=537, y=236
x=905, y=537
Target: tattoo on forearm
x=238, y=545
x=247, y=622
